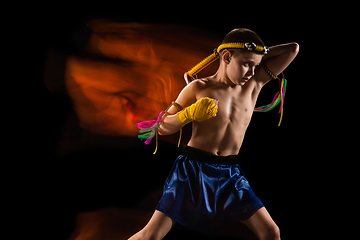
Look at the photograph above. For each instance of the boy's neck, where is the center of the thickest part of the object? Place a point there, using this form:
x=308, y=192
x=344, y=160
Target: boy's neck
x=221, y=76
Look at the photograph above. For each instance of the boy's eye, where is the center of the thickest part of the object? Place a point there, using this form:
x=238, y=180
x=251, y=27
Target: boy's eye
x=247, y=64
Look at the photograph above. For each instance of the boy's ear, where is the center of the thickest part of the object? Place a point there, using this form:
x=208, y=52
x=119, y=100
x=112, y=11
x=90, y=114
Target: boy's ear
x=226, y=56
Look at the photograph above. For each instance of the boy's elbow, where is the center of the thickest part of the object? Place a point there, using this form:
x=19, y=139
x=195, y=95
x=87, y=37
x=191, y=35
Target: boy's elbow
x=296, y=47
x=160, y=131
x=293, y=50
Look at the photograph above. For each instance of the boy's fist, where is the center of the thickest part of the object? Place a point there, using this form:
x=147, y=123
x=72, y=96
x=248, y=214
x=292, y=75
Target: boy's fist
x=203, y=109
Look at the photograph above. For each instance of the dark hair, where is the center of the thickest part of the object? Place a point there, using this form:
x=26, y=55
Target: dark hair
x=243, y=35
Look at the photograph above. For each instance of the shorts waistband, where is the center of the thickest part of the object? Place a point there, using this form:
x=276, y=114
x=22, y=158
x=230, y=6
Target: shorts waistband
x=203, y=156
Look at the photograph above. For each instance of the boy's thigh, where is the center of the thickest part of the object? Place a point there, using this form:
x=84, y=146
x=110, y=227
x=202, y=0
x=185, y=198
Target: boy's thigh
x=159, y=224
x=261, y=223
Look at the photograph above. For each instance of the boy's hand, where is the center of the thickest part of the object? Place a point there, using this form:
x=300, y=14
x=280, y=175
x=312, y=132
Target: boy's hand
x=203, y=109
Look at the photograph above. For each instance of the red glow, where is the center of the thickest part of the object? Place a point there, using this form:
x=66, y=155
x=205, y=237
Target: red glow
x=131, y=72
x=108, y=223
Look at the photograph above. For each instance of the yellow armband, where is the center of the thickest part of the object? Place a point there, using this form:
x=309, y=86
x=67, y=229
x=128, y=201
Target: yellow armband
x=203, y=109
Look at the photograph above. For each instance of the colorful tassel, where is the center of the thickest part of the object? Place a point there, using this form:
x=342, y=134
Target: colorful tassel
x=279, y=98
x=148, y=129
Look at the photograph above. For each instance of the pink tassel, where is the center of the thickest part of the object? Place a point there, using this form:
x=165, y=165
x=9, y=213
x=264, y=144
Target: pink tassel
x=146, y=124
x=147, y=142
x=149, y=128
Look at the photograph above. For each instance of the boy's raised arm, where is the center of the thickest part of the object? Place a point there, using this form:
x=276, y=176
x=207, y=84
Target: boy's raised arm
x=277, y=60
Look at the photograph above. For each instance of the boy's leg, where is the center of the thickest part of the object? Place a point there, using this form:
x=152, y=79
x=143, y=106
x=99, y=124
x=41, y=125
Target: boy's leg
x=262, y=225
x=158, y=226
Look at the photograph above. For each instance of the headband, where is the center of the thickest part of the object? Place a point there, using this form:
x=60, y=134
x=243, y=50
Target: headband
x=250, y=46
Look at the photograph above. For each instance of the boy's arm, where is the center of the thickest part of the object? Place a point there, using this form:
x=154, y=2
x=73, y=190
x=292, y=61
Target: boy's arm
x=187, y=96
x=201, y=110
x=277, y=60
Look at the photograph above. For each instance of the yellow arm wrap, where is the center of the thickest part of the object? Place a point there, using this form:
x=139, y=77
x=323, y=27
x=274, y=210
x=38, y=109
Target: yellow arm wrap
x=203, y=109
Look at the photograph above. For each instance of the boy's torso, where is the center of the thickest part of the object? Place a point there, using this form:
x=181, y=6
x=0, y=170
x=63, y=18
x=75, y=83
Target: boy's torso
x=223, y=134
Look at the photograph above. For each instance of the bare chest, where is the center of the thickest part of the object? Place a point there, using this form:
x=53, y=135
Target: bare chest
x=224, y=133
x=235, y=107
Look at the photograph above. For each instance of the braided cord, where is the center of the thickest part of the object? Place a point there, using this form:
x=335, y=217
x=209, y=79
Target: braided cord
x=230, y=45
x=210, y=59
x=203, y=64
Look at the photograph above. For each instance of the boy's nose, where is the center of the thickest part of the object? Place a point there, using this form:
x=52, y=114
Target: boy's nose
x=251, y=72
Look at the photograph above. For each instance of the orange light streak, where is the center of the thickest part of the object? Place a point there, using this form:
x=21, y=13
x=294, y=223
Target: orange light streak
x=130, y=72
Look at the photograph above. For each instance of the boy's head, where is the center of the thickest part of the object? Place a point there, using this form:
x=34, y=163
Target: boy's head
x=240, y=52
x=243, y=35
x=239, y=64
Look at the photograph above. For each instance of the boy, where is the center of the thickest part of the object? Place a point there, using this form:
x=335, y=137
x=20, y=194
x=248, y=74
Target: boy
x=206, y=184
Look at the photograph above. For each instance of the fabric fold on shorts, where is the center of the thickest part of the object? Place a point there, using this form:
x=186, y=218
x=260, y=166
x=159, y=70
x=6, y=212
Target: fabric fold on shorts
x=202, y=190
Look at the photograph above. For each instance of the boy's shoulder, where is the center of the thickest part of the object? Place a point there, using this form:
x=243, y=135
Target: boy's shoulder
x=204, y=83
x=206, y=87
x=200, y=82
x=196, y=85
x=197, y=89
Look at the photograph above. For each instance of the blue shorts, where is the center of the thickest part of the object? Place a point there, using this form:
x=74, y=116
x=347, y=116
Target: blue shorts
x=203, y=190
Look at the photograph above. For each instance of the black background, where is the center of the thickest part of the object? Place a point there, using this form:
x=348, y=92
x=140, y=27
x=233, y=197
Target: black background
x=285, y=165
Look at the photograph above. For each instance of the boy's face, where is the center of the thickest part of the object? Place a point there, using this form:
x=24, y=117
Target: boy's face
x=241, y=66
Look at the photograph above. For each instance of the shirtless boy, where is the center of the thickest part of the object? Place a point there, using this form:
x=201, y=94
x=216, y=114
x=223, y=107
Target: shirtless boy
x=206, y=184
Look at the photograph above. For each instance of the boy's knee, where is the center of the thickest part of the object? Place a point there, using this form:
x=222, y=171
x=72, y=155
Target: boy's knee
x=273, y=233
x=270, y=233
